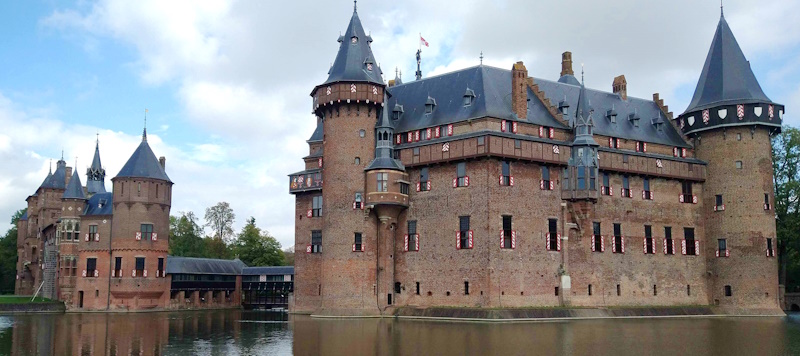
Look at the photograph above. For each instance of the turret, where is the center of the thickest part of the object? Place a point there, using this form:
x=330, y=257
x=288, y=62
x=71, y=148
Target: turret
x=96, y=174
x=731, y=121
x=581, y=183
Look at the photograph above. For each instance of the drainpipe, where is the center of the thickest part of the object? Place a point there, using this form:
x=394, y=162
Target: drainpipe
x=110, y=261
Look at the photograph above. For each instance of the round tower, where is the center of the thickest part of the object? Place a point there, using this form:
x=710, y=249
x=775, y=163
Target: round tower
x=731, y=122
x=139, y=232
x=349, y=103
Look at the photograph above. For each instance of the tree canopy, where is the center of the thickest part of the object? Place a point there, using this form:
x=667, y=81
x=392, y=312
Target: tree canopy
x=786, y=163
x=256, y=247
x=220, y=219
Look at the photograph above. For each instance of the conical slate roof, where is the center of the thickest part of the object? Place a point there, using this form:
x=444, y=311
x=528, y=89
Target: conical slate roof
x=355, y=62
x=46, y=179
x=59, y=178
x=583, y=121
x=726, y=77
x=74, y=188
x=143, y=164
x=384, y=148
x=95, y=175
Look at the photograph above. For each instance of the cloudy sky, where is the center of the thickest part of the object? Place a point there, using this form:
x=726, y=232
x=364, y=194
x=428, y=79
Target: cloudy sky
x=227, y=83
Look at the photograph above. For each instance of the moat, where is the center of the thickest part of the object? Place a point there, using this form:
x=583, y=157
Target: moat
x=236, y=332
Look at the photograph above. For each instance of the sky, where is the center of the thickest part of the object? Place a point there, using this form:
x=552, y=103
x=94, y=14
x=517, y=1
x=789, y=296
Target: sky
x=226, y=84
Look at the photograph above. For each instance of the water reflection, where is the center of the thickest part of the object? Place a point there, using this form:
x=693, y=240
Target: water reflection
x=236, y=332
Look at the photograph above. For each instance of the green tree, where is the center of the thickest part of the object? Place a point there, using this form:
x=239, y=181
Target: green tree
x=220, y=219
x=217, y=248
x=185, y=236
x=288, y=256
x=786, y=163
x=256, y=247
x=8, y=255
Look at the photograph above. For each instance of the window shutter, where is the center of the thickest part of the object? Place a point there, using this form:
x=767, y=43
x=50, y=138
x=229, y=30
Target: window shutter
x=694, y=199
x=683, y=247
x=623, y=244
x=429, y=185
x=410, y=136
x=602, y=243
x=450, y=130
x=680, y=198
x=611, y=191
x=696, y=247
x=503, y=125
x=643, y=194
x=665, y=246
x=354, y=247
x=541, y=131
x=416, y=135
x=513, y=239
x=418, y=186
x=502, y=239
x=683, y=152
x=308, y=248
x=644, y=146
x=593, y=247
x=354, y=205
x=511, y=181
x=551, y=185
x=541, y=184
x=97, y=236
x=614, y=244
x=319, y=162
x=455, y=182
x=558, y=242
x=458, y=240
x=466, y=181
x=438, y=131
x=308, y=213
x=84, y=273
x=397, y=139
x=155, y=236
x=652, y=195
x=469, y=238
x=501, y=179
x=610, y=142
x=653, y=243
x=86, y=237
x=138, y=235
x=405, y=243
x=514, y=127
x=133, y=273
x=547, y=241
x=675, y=152
x=144, y=274
x=644, y=244
x=637, y=145
x=428, y=133
x=551, y=132
x=727, y=253
x=416, y=242
x=113, y=273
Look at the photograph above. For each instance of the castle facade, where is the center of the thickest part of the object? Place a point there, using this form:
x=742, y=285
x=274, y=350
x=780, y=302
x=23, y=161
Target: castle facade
x=490, y=188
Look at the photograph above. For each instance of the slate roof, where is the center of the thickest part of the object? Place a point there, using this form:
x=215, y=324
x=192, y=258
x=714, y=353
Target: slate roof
x=95, y=174
x=267, y=271
x=74, y=188
x=726, y=77
x=351, y=64
x=58, y=180
x=384, y=149
x=492, y=88
x=24, y=216
x=99, y=204
x=193, y=265
x=317, y=135
x=143, y=164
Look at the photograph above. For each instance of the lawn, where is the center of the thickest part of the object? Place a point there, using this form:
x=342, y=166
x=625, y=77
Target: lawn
x=21, y=299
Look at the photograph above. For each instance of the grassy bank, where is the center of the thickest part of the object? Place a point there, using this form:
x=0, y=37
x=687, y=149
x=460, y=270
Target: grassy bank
x=21, y=299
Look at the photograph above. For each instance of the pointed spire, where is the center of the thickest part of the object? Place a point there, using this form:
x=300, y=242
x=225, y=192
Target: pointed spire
x=95, y=174
x=721, y=12
x=355, y=62
x=144, y=131
x=74, y=188
x=355, y=6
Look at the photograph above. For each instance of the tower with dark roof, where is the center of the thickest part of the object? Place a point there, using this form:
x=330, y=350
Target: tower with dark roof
x=582, y=164
x=96, y=174
x=731, y=122
x=70, y=229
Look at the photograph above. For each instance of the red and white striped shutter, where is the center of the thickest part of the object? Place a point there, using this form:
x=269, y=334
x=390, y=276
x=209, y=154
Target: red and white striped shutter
x=541, y=184
x=623, y=244
x=610, y=142
x=645, y=146
x=694, y=199
x=613, y=244
x=541, y=131
x=155, y=236
x=642, y=194
x=511, y=181
x=138, y=235
x=418, y=186
x=696, y=247
x=513, y=239
x=428, y=133
x=644, y=244
x=675, y=152
x=611, y=191
x=547, y=241
x=501, y=179
x=437, y=131
x=97, y=236
x=727, y=253
x=503, y=125
x=84, y=273
x=593, y=248
x=551, y=132
x=683, y=247
x=680, y=198
x=665, y=246
x=113, y=273
x=308, y=214
x=308, y=248
x=683, y=152
x=450, y=130
x=716, y=253
x=455, y=182
x=558, y=242
x=144, y=274
x=637, y=145
x=602, y=243
x=86, y=237
x=466, y=181
x=502, y=236
x=551, y=185
x=652, y=194
x=405, y=242
x=469, y=238
x=429, y=185
x=416, y=242
x=133, y=273
x=766, y=248
x=319, y=162
x=397, y=139
x=458, y=240
x=410, y=136
x=653, y=247
x=416, y=135
x=514, y=127
x=97, y=273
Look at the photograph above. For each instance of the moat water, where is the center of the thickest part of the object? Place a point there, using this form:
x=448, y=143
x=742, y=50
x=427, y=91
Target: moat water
x=235, y=332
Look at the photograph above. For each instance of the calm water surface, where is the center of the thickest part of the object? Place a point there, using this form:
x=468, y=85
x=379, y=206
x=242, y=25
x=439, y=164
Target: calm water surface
x=265, y=333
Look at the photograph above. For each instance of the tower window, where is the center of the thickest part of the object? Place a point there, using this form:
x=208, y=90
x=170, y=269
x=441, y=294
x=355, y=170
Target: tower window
x=316, y=241
x=383, y=182
x=648, y=239
x=358, y=203
x=647, y=192
x=147, y=231
x=669, y=245
x=718, y=206
x=139, y=266
x=466, y=288
x=728, y=291
x=357, y=160
x=688, y=234
x=423, y=179
x=618, y=243
x=316, y=206
x=770, y=249
x=91, y=266
x=358, y=246
x=686, y=190
x=552, y=241
x=412, y=236
x=463, y=225
x=507, y=232
x=545, y=178
x=722, y=247
x=738, y=164
x=362, y=133
x=461, y=171
x=598, y=238
x=505, y=178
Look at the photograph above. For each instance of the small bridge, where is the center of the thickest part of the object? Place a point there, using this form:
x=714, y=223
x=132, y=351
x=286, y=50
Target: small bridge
x=792, y=302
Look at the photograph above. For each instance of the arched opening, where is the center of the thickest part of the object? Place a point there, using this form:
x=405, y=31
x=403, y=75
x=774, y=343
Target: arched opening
x=795, y=307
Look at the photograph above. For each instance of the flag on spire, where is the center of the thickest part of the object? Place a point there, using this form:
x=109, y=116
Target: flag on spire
x=422, y=41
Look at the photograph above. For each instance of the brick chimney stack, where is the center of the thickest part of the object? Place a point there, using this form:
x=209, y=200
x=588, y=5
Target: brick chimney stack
x=566, y=64
x=620, y=87
x=68, y=176
x=163, y=161
x=519, y=92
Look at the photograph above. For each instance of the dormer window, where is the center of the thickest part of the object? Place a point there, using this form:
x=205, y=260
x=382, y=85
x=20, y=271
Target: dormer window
x=354, y=40
x=430, y=105
x=469, y=96
x=397, y=112
x=563, y=106
x=658, y=123
x=368, y=63
x=612, y=116
x=634, y=119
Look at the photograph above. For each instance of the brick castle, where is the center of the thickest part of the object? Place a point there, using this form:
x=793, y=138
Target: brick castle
x=490, y=188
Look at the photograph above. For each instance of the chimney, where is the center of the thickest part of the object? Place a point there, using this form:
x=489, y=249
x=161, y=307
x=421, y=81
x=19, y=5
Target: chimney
x=566, y=64
x=69, y=176
x=519, y=92
x=163, y=162
x=620, y=87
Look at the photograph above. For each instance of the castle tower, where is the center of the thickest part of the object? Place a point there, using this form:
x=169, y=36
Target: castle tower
x=582, y=167
x=70, y=233
x=96, y=174
x=731, y=122
x=348, y=104
x=139, y=232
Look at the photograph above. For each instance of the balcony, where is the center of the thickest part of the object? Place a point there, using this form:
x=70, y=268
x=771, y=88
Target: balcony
x=305, y=181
